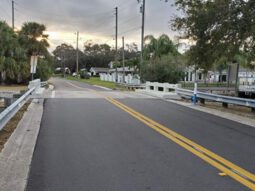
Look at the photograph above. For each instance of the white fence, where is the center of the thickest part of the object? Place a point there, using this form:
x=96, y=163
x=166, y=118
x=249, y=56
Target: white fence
x=247, y=88
x=161, y=87
x=129, y=79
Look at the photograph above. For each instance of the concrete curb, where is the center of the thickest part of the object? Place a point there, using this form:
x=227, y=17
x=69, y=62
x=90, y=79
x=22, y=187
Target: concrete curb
x=16, y=157
x=229, y=116
x=104, y=88
x=162, y=95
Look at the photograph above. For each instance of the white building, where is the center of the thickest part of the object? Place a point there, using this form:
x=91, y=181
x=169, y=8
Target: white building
x=246, y=76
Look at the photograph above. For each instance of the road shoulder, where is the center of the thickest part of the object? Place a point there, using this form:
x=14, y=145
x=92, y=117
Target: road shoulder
x=226, y=115
x=15, y=159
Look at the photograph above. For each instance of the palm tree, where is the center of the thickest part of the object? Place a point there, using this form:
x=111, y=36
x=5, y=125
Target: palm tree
x=32, y=37
x=155, y=48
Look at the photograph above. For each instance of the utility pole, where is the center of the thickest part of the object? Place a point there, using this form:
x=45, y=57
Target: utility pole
x=142, y=33
x=116, y=45
x=77, y=54
x=123, y=59
x=13, y=14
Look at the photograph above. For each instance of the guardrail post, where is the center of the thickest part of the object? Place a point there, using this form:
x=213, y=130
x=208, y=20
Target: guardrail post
x=225, y=105
x=8, y=102
x=202, y=101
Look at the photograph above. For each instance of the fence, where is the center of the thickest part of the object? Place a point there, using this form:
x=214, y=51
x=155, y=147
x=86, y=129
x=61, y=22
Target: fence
x=128, y=79
x=165, y=87
x=161, y=87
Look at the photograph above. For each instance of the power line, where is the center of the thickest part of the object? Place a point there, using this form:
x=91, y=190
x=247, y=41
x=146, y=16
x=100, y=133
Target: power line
x=128, y=20
x=62, y=15
x=125, y=5
x=6, y=12
x=131, y=30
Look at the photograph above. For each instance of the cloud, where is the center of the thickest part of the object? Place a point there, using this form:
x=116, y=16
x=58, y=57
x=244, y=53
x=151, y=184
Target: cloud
x=94, y=19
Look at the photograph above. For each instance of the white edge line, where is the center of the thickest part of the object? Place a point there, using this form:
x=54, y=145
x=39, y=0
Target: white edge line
x=102, y=87
x=53, y=93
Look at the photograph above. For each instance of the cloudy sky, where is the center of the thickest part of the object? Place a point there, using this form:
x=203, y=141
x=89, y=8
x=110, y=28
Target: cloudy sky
x=94, y=19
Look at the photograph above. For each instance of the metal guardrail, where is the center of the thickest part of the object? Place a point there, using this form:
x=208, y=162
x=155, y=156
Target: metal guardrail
x=10, y=111
x=218, y=98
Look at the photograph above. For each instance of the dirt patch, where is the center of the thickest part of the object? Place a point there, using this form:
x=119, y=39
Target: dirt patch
x=1, y=103
x=234, y=109
x=13, y=88
x=11, y=125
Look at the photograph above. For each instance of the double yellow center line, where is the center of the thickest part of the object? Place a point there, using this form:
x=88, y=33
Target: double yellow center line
x=237, y=173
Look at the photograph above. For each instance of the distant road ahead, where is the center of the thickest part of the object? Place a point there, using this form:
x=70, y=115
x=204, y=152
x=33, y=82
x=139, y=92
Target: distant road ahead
x=92, y=139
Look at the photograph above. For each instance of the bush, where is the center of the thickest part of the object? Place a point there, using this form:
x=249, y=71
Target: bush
x=162, y=71
x=84, y=75
x=44, y=70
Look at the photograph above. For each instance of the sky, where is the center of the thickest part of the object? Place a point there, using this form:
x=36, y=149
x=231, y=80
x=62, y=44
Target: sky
x=94, y=19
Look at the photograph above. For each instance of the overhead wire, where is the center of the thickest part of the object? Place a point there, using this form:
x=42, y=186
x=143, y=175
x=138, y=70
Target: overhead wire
x=5, y=11
x=101, y=25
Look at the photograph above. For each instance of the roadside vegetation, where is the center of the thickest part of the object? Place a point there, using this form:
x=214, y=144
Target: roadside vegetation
x=95, y=81
x=220, y=33
x=12, y=125
x=16, y=48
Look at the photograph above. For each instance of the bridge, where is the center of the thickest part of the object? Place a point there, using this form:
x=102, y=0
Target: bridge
x=93, y=138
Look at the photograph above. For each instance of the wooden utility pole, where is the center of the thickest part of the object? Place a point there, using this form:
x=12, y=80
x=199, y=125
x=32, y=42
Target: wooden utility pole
x=123, y=59
x=13, y=14
x=116, y=45
x=142, y=36
x=77, y=54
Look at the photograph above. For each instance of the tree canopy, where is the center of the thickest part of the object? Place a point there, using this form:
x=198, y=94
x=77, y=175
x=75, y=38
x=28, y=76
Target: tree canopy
x=16, y=49
x=218, y=28
x=163, y=62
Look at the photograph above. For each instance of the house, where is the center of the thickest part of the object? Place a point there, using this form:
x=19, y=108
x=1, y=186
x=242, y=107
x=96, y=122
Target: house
x=96, y=71
x=191, y=75
x=245, y=76
x=127, y=70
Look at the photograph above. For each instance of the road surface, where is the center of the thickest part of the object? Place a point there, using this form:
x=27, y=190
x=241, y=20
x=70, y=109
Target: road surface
x=93, y=139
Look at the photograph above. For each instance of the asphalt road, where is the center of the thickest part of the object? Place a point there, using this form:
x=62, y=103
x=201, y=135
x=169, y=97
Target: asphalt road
x=87, y=143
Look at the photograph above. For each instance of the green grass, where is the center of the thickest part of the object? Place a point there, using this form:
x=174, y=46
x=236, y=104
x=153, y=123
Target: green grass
x=191, y=85
x=95, y=81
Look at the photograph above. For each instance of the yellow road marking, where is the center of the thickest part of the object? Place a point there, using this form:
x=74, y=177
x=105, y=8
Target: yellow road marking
x=237, y=173
x=222, y=174
x=78, y=87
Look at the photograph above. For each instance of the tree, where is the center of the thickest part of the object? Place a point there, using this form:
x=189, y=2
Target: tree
x=65, y=55
x=217, y=28
x=33, y=39
x=98, y=55
x=35, y=42
x=166, y=69
x=163, y=62
x=155, y=48
x=13, y=65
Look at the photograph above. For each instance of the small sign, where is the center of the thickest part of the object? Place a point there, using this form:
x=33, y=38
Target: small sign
x=33, y=64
